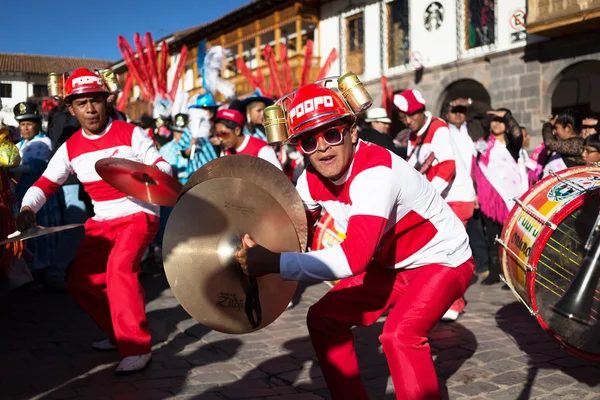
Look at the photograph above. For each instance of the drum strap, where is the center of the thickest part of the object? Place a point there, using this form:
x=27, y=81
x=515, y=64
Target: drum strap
x=252, y=306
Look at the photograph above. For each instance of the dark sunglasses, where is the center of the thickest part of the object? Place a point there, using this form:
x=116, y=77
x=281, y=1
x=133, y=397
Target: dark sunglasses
x=332, y=136
x=222, y=135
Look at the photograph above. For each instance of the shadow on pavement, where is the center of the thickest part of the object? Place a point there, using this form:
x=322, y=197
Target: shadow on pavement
x=544, y=355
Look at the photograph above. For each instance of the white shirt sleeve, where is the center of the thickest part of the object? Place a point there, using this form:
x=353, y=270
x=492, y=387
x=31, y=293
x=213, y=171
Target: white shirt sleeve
x=268, y=154
x=310, y=205
x=145, y=151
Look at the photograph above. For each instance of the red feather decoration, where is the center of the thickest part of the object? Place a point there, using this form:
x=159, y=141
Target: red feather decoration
x=308, y=53
x=243, y=68
x=384, y=92
x=162, y=77
x=260, y=79
x=333, y=55
x=133, y=66
x=270, y=59
x=286, y=69
x=151, y=55
x=178, y=72
x=143, y=63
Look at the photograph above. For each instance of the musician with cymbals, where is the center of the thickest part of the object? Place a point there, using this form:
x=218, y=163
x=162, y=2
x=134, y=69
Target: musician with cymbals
x=104, y=276
x=405, y=250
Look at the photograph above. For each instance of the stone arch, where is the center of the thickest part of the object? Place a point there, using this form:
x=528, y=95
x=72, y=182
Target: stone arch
x=465, y=87
x=562, y=70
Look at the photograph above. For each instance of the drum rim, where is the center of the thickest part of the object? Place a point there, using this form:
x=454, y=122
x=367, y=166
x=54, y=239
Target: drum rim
x=558, y=217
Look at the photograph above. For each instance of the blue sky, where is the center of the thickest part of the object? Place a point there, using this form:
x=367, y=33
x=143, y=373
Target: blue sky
x=90, y=28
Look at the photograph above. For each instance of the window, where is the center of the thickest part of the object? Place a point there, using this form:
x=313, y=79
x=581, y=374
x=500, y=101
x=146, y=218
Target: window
x=5, y=90
x=481, y=23
x=40, y=91
x=355, y=43
x=398, y=39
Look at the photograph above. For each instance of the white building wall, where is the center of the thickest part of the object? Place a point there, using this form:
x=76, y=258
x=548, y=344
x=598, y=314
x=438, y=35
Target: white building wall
x=372, y=41
x=20, y=92
x=329, y=35
x=429, y=47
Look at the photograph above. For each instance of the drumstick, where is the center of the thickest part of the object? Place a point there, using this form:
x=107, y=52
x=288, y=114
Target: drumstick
x=193, y=151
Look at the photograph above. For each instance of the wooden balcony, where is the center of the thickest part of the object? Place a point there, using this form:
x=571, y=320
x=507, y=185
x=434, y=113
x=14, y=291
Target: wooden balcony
x=554, y=18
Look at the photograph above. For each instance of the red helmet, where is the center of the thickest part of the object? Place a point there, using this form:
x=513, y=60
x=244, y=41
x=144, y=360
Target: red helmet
x=82, y=80
x=314, y=106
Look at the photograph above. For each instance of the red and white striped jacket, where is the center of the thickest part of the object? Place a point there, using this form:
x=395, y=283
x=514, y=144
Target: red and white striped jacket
x=389, y=213
x=79, y=155
x=434, y=153
x=256, y=147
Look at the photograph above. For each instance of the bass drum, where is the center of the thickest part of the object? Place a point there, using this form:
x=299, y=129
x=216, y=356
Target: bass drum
x=326, y=235
x=542, y=247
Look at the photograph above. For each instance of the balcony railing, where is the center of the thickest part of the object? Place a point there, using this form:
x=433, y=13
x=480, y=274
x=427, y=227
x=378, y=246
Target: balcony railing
x=557, y=17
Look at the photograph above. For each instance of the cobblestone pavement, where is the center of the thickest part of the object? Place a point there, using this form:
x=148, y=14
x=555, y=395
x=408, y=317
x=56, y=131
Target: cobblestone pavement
x=494, y=351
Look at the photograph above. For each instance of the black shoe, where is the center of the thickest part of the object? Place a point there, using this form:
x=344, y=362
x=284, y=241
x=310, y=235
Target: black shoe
x=505, y=287
x=490, y=280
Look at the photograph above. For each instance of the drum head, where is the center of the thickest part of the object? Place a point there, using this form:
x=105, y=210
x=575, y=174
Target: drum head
x=559, y=260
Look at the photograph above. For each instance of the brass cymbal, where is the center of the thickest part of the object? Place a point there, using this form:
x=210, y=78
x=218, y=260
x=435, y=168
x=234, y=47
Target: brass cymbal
x=263, y=174
x=140, y=181
x=202, y=234
x=35, y=232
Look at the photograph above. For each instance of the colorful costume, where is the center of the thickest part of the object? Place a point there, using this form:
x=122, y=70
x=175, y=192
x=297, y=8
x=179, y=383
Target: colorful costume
x=104, y=277
x=405, y=251
x=9, y=157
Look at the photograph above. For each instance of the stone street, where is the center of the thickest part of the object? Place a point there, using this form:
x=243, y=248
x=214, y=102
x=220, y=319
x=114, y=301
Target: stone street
x=496, y=350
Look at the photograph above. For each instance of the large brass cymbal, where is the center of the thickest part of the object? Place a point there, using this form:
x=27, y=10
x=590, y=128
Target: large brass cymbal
x=202, y=234
x=263, y=174
x=138, y=180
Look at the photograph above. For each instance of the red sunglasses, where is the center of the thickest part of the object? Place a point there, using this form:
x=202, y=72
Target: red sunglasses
x=332, y=136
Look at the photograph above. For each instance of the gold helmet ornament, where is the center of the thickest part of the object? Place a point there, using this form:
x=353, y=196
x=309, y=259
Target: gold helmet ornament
x=59, y=85
x=315, y=105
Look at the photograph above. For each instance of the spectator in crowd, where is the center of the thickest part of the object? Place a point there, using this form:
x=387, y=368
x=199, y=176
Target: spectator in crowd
x=229, y=125
x=590, y=126
x=254, y=109
x=459, y=132
x=478, y=123
x=378, y=131
x=591, y=149
x=497, y=180
x=562, y=136
x=35, y=149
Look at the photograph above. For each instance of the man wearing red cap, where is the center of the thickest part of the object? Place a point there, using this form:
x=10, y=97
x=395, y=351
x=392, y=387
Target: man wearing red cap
x=405, y=250
x=434, y=154
x=229, y=125
x=104, y=276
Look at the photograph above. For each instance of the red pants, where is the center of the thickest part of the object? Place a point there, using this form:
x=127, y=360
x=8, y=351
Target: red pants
x=463, y=209
x=104, y=278
x=417, y=299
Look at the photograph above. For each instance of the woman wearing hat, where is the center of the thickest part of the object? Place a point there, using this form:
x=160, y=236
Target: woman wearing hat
x=255, y=115
x=228, y=127
x=35, y=148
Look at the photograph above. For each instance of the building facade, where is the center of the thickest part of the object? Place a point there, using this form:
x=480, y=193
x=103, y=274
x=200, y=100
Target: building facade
x=534, y=57
x=25, y=77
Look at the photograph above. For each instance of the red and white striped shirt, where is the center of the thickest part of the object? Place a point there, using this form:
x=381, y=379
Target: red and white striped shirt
x=256, y=147
x=390, y=214
x=434, y=153
x=79, y=155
